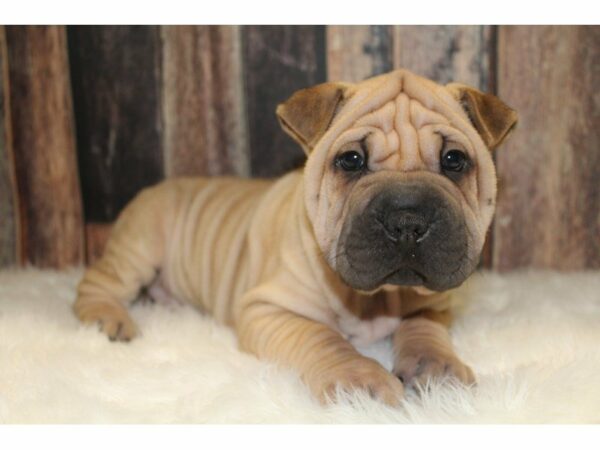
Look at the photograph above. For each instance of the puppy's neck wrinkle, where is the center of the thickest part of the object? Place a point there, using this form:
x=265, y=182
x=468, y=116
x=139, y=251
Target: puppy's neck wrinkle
x=382, y=303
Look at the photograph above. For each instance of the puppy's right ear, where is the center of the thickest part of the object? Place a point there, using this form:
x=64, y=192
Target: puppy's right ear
x=492, y=118
x=307, y=114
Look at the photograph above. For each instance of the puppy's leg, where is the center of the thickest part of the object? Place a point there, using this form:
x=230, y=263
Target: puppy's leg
x=423, y=349
x=132, y=256
x=323, y=358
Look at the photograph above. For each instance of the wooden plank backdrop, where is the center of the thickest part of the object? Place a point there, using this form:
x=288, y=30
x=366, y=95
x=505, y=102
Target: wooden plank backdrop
x=43, y=137
x=159, y=101
x=116, y=73
x=549, y=208
x=359, y=52
x=277, y=61
x=205, y=129
x=9, y=225
x=447, y=53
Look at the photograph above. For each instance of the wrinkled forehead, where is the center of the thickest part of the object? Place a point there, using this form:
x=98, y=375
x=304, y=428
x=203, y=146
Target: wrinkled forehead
x=401, y=101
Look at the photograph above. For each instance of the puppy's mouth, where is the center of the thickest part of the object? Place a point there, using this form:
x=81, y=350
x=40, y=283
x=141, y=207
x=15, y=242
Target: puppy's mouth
x=364, y=281
x=405, y=276
x=367, y=281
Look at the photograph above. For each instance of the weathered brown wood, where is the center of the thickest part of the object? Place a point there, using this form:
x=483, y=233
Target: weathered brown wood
x=116, y=76
x=96, y=235
x=205, y=129
x=278, y=60
x=358, y=52
x=549, y=207
x=9, y=227
x=446, y=53
x=44, y=146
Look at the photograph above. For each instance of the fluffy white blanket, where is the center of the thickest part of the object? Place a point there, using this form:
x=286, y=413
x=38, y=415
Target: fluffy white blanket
x=533, y=340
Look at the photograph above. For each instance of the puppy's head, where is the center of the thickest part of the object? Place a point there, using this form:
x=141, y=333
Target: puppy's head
x=399, y=184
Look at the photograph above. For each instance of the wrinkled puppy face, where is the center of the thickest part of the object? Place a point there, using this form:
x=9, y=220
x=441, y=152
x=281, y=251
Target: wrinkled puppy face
x=399, y=183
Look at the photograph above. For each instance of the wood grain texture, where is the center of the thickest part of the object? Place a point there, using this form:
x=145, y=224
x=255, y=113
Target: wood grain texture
x=358, y=52
x=9, y=217
x=278, y=60
x=116, y=75
x=445, y=53
x=96, y=235
x=549, y=206
x=205, y=129
x=44, y=146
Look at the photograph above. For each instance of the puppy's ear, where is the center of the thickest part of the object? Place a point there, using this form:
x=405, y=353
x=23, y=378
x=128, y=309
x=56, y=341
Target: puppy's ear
x=307, y=114
x=491, y=117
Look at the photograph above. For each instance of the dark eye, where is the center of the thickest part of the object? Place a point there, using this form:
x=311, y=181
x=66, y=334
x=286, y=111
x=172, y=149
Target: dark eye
x=454, y=161
x=350, y=161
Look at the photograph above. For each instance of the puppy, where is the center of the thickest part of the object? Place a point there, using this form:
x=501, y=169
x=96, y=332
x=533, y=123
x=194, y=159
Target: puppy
x=389, y=213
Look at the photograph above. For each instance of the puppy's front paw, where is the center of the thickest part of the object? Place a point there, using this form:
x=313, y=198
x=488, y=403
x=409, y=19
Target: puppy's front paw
x=416, y=368
x=113, y=319
x=359, y=374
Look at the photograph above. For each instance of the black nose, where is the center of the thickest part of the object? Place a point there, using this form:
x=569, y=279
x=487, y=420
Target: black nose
x=406, y=228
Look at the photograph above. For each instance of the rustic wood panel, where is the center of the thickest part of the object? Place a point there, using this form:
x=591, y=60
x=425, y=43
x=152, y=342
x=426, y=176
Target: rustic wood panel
x=9, y=227
x=116, y=75
x=549, y=208
x=277, y=61
x=205, y=129
x=44, y=146
x=358, y=52
x=446, y=53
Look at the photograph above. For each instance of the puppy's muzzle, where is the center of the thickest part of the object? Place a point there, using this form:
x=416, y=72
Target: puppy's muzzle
x=408, y=233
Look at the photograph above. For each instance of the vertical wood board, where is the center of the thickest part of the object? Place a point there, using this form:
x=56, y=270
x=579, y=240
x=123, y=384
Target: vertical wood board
x=549, y=207
x=205, y=129
x=355, y=53
x=446, y=53
x=278, y=60
x=116, y=73
x=44, y=146
x=9, y=226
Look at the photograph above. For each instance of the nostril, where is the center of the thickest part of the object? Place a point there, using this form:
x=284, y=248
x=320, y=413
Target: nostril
x=408, y=234
x=404, y=227
x=419, y=230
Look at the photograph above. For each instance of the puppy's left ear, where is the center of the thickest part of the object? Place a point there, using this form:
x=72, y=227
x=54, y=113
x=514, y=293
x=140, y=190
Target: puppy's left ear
x=307, y=114
x=491, y=117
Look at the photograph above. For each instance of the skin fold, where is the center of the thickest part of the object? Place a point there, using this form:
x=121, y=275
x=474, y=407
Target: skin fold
x=270, y=258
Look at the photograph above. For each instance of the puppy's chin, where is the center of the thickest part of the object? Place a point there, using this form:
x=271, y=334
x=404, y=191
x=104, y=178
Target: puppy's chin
x=421, y=290
x=362, y=277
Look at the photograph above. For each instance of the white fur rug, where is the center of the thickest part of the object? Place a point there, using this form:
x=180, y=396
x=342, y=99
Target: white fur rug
x=533, y=340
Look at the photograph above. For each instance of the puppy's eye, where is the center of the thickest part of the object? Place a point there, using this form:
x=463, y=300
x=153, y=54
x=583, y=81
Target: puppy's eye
x=454, y=161
x=350, y=161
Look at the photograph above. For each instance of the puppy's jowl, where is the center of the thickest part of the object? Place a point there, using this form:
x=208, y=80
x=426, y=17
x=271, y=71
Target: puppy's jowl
x=389, y=213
